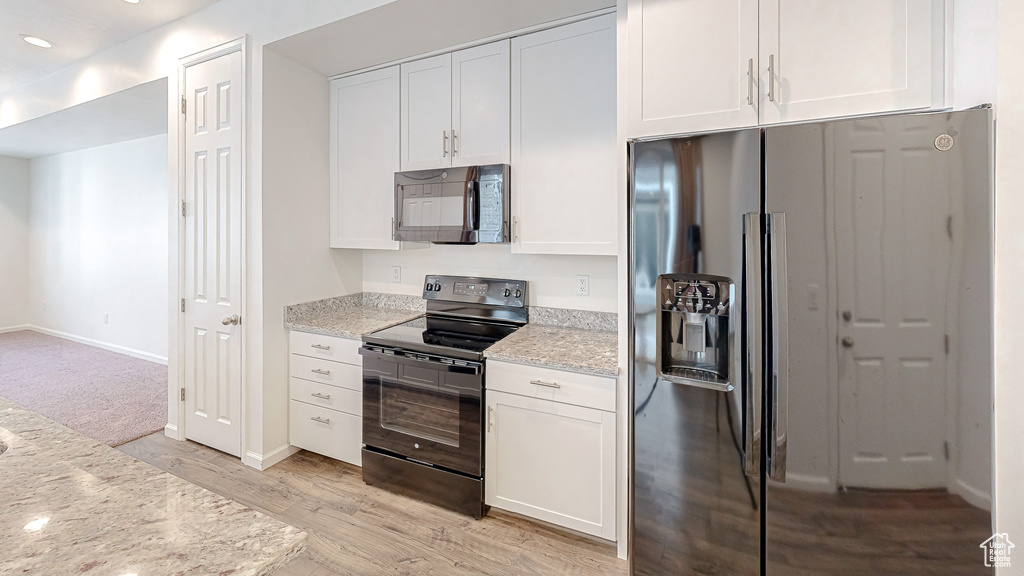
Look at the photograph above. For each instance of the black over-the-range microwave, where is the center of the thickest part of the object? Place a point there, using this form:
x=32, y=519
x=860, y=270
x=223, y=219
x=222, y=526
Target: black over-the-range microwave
x=462, y=205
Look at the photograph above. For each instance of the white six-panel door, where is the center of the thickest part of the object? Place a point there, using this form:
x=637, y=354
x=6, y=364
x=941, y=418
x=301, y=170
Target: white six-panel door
x=893, y=259
x=212, y=278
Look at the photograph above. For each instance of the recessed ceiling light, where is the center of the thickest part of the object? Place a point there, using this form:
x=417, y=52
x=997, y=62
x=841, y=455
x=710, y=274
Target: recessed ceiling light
x=36, y=41
x=132, y=1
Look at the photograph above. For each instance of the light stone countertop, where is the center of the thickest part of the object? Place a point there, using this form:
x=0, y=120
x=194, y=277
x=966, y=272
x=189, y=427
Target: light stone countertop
x=561, y=348
x=352, y=316
x=72, y=505
x=575, y=340
x=351, y=322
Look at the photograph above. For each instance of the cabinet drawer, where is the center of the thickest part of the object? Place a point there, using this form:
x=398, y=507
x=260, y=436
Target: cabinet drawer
x=327, y=396
x=568, y=387
x=334, y=434
x=326, y=347
x=326, y=372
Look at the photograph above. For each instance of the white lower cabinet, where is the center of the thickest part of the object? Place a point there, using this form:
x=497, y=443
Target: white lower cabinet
x=547, y=459
x=326, y=391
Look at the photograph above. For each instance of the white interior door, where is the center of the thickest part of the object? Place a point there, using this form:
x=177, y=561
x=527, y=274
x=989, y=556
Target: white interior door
x=427, y=113
x=892, y=202
x=213, y=252
x=480, y=105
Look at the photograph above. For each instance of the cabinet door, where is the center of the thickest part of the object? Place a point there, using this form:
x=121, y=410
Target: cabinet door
x=564, y=153
x=427, y=113
x=480, y=101
x=821, y=58
x=364, y=159
x=692, y=65
x=551, y=461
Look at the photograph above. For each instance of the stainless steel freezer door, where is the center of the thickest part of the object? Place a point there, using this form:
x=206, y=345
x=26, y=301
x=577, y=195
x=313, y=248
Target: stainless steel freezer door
x=887, y=458
x=693, y=509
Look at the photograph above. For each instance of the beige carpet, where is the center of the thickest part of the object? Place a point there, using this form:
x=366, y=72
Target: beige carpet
x=107, y=396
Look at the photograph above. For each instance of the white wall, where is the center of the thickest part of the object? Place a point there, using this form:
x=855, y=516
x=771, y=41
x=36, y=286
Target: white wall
x=298, y=264
x=14, y=193
x=98, y=245
x=1009, y=278
x=552, y=278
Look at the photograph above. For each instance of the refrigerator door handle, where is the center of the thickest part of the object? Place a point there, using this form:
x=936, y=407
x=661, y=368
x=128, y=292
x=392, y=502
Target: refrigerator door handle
x=752, y=392
x=779, y=301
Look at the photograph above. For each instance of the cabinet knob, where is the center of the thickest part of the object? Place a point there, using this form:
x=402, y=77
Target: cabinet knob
x=847, y=342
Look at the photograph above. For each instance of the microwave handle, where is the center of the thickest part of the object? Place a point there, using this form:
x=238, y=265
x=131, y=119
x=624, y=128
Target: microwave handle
x=471, y=206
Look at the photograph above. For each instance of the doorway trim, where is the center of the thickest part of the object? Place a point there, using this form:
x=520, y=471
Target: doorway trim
x=176, y=364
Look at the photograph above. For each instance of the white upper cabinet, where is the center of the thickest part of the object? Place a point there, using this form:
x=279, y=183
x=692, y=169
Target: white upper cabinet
x=700, y=65
x=694, y=67
x=480, y=105
x=364, y=159
x=564, y=153
x=455, y=109
x=426, y=113
x=822, y=58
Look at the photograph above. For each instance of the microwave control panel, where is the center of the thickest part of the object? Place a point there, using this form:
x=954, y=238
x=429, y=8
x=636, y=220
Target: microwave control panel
x=491, y=205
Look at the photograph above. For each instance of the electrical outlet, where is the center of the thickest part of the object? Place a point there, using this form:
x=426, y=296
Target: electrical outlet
x=106, y=318
x=396, y=274
x=582, y=285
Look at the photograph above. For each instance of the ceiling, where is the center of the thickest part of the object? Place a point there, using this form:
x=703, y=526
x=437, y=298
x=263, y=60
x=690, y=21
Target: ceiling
x=134, y=113
x=407, y=28
x=77, y=29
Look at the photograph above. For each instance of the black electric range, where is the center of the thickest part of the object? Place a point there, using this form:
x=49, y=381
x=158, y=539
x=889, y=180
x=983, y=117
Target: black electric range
x=423, y=391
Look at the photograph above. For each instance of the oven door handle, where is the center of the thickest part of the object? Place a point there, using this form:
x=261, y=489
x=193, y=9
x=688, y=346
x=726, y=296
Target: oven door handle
x=435, y=362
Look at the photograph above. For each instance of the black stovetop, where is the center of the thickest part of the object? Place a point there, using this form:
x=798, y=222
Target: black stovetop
x=444, y=336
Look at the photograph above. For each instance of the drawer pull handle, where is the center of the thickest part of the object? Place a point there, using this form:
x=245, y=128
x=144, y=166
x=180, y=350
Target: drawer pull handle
x=321, y=372
x=321, y=420
x=320, y=347
x=543, y=383
x=322, y=396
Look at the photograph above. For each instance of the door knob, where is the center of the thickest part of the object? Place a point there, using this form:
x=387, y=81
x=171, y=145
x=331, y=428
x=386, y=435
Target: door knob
x=847, y=342
x=233, y=319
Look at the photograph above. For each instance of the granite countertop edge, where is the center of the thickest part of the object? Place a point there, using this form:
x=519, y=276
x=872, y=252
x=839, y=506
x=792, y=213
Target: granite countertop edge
x=544, y=363
x=299, y=326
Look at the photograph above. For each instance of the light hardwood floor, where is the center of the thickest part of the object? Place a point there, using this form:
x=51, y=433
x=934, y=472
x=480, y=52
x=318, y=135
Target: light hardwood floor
x=360, y=530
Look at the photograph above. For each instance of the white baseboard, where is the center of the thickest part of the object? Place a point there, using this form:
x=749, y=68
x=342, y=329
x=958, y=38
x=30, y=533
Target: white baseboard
x=979, y=498
x=807, y=483
x=100, y=344
x=171, y=431
x=264, y=461
x=15, y=329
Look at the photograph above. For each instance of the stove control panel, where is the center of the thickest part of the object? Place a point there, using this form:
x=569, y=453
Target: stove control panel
x=487, y=291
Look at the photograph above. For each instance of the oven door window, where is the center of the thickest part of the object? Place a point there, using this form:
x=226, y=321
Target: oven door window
x=419, y=405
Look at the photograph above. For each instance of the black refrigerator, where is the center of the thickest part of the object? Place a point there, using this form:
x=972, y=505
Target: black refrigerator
x=810, y=348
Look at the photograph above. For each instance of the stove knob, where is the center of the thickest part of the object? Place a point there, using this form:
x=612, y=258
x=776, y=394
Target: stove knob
x=437, y=287
x=430, y=287
x=519, y=293
x=507, y=292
